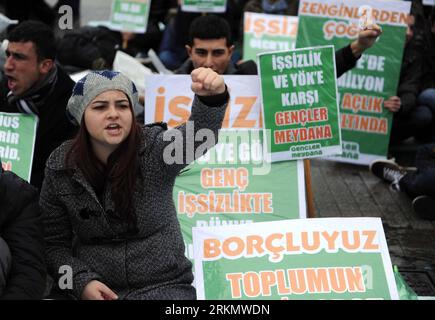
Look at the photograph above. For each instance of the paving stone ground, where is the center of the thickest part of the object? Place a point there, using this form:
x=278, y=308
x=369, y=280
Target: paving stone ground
x=345, y=190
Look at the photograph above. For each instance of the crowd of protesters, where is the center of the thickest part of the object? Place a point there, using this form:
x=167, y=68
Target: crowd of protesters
x=413, y=109
x=106, y=195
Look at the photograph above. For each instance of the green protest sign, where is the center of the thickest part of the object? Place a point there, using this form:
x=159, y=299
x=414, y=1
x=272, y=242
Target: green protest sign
x=203, y=5
x=310, y=259
x=130, y=15
x=17, y=140
x=299, y=95
x=232, y=185
x=268, y=32
x=364, y=122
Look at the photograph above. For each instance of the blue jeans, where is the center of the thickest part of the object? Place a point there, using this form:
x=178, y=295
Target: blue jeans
x=422, y=181
x=416, y=123
x=427, y=99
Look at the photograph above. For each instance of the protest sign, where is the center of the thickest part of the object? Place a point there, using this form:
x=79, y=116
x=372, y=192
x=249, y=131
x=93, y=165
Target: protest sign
x=130, y=15
x=169, y=99
x=326, y=258
x=203, y=5
x=299, y=96
x=268, y=32
x=17, y=140
x=364, y=122
x=233, y=184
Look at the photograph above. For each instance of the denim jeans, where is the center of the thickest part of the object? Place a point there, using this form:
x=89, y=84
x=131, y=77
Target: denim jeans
x=421, y=182
x=416, y=123
x=427, y=99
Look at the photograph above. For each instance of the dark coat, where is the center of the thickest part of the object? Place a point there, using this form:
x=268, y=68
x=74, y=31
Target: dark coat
x=53, y=127
x=428, y=77
x=151, y=260
x=344, y=60
x=410, y=76
x=21, y=228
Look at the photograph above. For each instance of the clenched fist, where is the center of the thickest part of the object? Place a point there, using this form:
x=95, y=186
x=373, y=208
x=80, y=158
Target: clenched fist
x=366, y=39
x=206, y=82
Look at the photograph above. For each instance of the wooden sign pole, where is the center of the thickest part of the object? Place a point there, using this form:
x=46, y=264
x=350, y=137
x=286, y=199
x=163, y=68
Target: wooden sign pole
x=311, y=211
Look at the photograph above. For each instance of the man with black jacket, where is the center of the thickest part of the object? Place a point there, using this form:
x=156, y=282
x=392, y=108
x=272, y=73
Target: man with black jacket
x=22, y=263
x=210, y=45
x=33, y=84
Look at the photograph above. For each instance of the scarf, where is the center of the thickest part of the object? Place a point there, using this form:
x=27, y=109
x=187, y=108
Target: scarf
x=35, y=97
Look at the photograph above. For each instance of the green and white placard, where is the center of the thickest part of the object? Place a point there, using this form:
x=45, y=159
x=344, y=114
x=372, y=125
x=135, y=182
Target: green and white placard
x=169, y=99
x=268, y=32
x=365, y=123
x=309, y=259
x=203, y=5
x=130, y=15
x=17, y=141
x=235, y=184
x=299, y=95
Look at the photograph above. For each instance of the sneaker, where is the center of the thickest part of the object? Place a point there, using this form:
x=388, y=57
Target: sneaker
x=424, y=206
x=389, y=171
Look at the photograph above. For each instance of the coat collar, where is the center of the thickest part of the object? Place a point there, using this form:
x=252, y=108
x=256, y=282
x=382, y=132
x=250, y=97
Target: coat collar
x=57, y=162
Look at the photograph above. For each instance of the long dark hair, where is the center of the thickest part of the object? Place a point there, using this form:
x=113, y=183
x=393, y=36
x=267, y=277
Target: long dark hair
x=121, y=170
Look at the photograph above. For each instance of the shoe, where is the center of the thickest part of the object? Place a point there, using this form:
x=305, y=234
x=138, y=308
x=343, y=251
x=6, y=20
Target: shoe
x=424, y=206
x=389, y=171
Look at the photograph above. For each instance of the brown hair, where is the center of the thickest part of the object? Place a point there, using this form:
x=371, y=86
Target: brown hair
x=121, y=170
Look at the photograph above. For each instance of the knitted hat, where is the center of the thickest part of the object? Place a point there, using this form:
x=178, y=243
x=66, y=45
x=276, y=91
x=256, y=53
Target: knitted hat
x=95, y=83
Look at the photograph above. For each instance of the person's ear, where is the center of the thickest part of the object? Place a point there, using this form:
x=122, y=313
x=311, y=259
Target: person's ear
x=231, y=50
x=189, y=50
x=45, y=66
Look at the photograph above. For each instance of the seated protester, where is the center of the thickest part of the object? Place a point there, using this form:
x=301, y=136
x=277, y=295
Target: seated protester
x=109, y=191
x=409, y=119
x=210, y=46
x=22, y=261
x=172, y=51
x=427, y=94
x=33, y=84
x=418, y=183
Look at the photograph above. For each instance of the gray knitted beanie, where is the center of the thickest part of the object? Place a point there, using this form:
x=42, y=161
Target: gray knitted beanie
x=94, y=83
